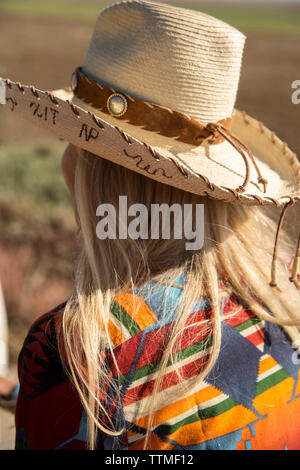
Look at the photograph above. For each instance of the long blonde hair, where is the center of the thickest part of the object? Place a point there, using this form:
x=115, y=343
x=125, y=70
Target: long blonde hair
x=238, y=239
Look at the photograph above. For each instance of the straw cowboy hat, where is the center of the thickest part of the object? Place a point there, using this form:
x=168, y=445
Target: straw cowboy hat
x=156, y=94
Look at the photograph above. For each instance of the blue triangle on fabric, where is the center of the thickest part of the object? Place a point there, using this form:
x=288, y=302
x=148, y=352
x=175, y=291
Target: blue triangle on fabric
x=236, y=369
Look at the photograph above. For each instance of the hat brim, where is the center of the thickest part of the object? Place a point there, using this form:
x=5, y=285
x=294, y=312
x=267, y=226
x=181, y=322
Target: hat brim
x=212, y=170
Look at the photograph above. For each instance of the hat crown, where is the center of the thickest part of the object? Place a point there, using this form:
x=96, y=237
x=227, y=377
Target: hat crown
x=178, y=58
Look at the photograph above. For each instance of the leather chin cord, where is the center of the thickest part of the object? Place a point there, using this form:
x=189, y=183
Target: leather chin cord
x=244, y=151
x=296, y=263
x=239, y=147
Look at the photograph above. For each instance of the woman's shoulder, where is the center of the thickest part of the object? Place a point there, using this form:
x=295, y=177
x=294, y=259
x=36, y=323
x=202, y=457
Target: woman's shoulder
x=43, y=329
x=40, y=349
x=46, y=396
x=53, y=314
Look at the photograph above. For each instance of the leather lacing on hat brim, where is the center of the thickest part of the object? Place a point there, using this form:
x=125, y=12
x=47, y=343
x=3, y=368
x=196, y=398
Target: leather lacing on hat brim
x=296, y=263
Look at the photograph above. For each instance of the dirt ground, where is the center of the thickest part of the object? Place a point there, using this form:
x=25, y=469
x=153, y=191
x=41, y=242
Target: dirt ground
x=45, y=53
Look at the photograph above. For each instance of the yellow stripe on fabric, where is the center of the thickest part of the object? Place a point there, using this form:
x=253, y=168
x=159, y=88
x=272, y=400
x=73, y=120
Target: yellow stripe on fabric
x=137, y=309
x=281, y=427
x=274, y=397
x=166, y=397
x=211, y=428
x=181, y=406
x=266, y=364
x=115, y=334
x=202, y=431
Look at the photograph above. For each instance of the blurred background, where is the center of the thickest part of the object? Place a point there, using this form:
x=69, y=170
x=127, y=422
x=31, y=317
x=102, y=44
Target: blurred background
x=41, y=43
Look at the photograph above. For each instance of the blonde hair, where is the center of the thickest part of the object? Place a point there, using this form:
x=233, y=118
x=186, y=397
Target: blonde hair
x=238, y=239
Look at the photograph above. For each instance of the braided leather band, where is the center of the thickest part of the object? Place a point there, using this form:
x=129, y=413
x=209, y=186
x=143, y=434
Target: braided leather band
x=162, y=120
x=149, y=116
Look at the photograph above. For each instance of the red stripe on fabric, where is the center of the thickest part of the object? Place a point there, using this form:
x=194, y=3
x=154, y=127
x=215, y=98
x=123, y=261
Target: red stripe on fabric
x=243, y=315
x=124, y=361
x=257, y=337
x=154, y=342
x=169, y=380
x=238, y=319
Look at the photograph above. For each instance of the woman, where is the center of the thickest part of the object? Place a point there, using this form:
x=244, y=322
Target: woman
x=160, y=346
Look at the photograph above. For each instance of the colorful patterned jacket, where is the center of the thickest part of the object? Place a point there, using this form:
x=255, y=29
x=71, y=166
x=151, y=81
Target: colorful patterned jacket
x=249, y=400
